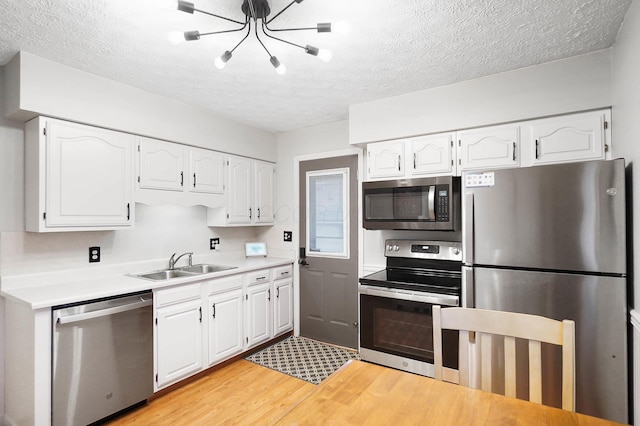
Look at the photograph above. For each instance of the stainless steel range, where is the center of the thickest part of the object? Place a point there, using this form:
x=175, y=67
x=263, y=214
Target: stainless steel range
x=396, y=323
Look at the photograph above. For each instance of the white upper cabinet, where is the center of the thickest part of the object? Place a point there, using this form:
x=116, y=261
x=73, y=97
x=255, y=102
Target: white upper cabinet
x=430, y=155
x=569, y=138
x=178, y=174
x=489, y=147
x=206, y=171
x=77, y=177
x=161, y=165
x=250, y=194
x=385, y=159
x=264, y=192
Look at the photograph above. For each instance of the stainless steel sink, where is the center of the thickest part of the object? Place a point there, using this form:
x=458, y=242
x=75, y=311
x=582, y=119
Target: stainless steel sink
x=205, y=268
x=187, y=271
x=165, y=275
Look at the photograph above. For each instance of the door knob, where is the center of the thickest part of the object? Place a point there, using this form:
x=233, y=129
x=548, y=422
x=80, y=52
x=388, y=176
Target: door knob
x=303, y=262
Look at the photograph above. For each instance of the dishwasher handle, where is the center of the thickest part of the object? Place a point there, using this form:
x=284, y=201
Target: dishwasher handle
x=104, y=312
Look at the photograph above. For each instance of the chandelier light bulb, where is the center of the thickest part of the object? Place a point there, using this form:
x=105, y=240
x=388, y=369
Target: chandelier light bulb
x=176, y=37
x=325, y=54
x=280, y=68
x=341, y=27
x=221, y=61
x=167, y=4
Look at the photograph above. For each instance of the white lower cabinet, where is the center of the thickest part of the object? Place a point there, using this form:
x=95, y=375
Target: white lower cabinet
x=200, y=325
x=178, y=333
x=224, y=311
x=259, y=312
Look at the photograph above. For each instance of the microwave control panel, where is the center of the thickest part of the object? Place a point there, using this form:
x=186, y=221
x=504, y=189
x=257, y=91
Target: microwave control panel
x=442, y=203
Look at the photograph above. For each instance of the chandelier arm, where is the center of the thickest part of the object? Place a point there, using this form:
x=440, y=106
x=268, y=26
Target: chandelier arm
x=279, y=39
x=244, y=38
x=285, y=8
x=218, y=16
x=227, y=31
x=258, y=37
x=289, y=29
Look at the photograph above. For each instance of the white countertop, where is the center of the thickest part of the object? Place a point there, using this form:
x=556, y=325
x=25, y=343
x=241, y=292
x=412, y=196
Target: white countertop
x=45, y=290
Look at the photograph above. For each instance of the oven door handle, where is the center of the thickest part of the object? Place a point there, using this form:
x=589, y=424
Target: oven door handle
x=431, y=298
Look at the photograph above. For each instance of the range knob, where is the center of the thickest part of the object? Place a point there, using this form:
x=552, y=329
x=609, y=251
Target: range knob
x=396, y=248
x=456, y=251
x=389, y=247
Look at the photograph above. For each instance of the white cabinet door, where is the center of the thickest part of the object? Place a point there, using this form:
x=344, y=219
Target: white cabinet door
x=283, y=306
x=161, y=165
x=258, y=314
x=225, y=325
x=264, y=192
x=206, y=171
x=178, y=341
x=490, y=147
x=385, y=159
x=81, y=175
x=575, y=137
x=239, y=206
x=430, y=155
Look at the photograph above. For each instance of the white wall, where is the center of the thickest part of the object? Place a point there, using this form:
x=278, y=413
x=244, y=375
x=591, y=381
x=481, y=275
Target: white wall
x=625, y=76
x=568, y=85
x=37, y=86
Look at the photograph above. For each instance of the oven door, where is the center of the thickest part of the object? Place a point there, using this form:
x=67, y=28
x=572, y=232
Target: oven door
x=396, y=329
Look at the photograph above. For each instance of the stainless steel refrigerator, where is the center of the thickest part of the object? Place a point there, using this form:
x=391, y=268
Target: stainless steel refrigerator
x=550, y=240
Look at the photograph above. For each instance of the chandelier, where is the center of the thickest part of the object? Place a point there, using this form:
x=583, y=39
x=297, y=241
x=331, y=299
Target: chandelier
x=254, y=11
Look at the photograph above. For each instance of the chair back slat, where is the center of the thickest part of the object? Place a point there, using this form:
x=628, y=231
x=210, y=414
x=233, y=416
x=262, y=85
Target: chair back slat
x=487, y=325
x=535, y=371
x=510, y=366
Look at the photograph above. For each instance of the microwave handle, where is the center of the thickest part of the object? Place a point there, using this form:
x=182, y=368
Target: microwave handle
x=432, y=202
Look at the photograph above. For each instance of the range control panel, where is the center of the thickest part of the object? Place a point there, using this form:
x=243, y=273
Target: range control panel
x=444, y=250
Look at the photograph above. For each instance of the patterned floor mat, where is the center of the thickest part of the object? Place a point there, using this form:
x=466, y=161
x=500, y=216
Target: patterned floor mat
x=303, y=358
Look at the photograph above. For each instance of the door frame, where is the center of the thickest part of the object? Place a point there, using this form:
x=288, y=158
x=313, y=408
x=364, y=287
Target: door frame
x=296, y=234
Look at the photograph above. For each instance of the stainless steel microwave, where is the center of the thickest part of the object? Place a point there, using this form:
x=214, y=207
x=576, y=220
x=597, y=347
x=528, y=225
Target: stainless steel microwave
x=425, y=204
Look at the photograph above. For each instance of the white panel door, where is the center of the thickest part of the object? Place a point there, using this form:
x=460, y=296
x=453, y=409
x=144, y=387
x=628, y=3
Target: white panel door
x=89, y=176
x=385, y=159
x=489, y=147
x=430, y=155
x=258, y=314
x=178, y=341
x=161, y=165
x=569, y=138
x=239, y=206
x=225, y=325
x=206, y=171
x=283, y=307
x=264, y=192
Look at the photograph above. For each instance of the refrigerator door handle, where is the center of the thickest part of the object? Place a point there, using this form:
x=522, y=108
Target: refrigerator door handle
x=468, y=297
x=467, y=229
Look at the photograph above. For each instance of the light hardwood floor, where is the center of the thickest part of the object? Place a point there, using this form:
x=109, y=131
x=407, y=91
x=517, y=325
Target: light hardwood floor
x=240, y=393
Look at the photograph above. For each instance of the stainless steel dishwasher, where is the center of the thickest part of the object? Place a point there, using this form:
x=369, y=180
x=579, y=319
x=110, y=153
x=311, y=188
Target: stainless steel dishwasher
x=102, y=358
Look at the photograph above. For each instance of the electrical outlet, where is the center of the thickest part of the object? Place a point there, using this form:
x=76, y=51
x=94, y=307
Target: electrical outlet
x=94, y=254
x=213, y=242
x=288, y=236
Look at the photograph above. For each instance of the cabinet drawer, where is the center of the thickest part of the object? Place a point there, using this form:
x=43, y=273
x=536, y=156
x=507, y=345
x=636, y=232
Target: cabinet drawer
x=177, y=294
x=282, y=272
x=221, y=285
x=258, y=277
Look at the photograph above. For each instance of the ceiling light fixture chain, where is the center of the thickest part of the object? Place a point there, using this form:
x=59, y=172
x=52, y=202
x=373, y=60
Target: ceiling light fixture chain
x=253, y=11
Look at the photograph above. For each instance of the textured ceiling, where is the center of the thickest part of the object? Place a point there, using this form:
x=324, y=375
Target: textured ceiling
x=395, y=47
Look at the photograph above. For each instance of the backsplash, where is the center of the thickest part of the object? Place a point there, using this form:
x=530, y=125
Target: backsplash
x=159, y=231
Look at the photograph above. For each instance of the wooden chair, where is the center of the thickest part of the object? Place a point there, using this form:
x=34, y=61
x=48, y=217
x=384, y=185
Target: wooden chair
x=485, y=323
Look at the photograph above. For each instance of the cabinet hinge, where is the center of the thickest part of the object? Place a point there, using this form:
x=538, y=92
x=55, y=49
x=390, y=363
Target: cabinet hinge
x=138, y=179
x=606, y=148
x=44, y=215
x=227, y=162
x=606, y=125
x=156, y=377
x=138, y=147
x=459, y=142
x=246, y=297
x=227, y=215
x=156, y=321
x=44, y=131
x=451, y=143
x=452, y=163
x=247, y=339
x=460, y=162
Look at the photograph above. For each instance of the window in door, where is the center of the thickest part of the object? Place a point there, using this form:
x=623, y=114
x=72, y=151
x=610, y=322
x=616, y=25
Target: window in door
x=327, y=211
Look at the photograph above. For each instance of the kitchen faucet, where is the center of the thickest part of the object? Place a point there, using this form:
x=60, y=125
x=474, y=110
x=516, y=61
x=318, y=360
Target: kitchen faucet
x=173, y=259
